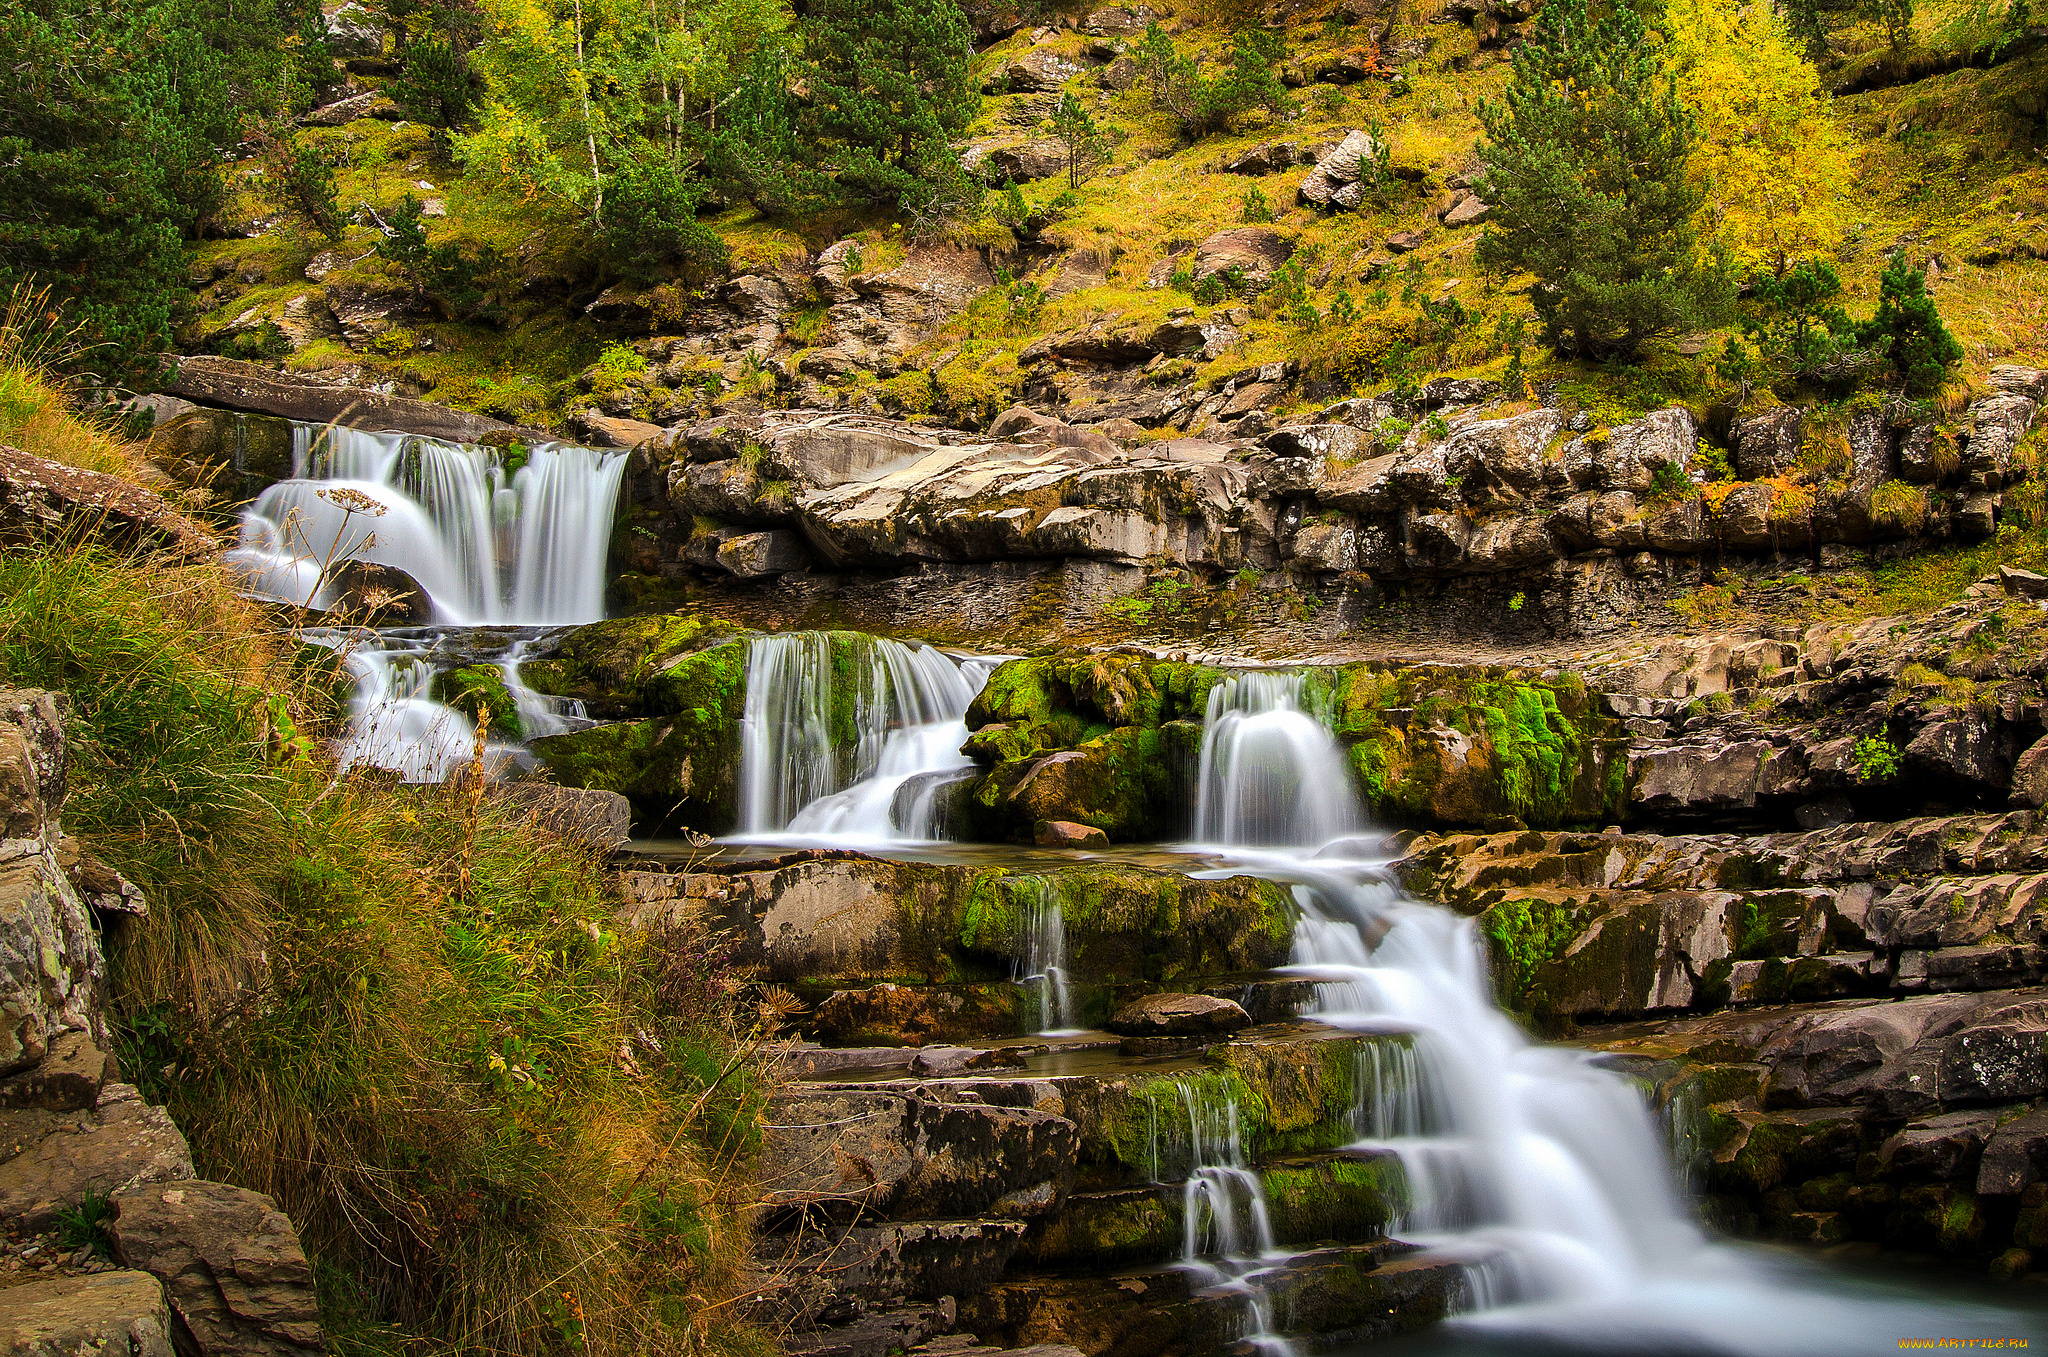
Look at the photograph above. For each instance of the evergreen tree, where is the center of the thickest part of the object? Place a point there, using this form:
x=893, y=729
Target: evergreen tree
x=1075, y=131
x=1586, y=178
x=114, y=118
x=1907, y=331
x=888, y=88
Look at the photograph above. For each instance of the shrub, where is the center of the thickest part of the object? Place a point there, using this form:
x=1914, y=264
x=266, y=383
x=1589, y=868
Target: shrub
x=1907, y=331
x=1899, y=506
x=299, y=182
x=1876, y=759
x=1256, y=207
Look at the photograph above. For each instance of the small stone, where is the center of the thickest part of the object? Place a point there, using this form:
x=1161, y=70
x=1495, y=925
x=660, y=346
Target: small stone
x=1067, y=834
x=1179, y=1015
x=1401, y=242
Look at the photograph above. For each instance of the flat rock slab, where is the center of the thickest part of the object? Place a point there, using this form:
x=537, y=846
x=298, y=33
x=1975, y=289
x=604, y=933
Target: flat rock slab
x=41, y=500
x=120, y=1314
x=125, y=1143
x=231, y=1262
x=250, y=386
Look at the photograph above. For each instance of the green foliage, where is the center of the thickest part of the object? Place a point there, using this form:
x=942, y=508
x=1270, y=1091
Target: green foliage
x=1255, y=206
x=1895, y=16
x=651, y=229
x=1586, y=179
x=1200, y=105
x=619, y=363
x=1073, y=128
x=756, y=152
x=299, y=182
x=888, y=89
x=83, y=1224
x=1876, y=759
x=1443, y=320
x=463, y=283
x=1806, y=21
x=434, y=85
x=1799, y=329
x=1670, y=483
x=1907, y=331
x=114, y=120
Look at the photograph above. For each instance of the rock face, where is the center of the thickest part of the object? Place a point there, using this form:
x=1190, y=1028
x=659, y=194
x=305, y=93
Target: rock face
x=231, y=1262
x=51, y=969
x=110, y=1312
x=1334, y=182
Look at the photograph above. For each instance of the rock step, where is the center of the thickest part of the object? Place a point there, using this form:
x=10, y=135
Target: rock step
x=1355, y=1292
x=1346, y=1195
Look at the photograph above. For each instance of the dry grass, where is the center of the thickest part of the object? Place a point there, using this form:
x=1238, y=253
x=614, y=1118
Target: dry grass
x=34, y=412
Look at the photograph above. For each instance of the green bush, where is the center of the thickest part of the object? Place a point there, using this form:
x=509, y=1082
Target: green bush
x=1907, y=332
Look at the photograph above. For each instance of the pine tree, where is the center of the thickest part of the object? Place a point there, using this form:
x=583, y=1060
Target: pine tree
x=889, y=89
x=1586, y=178
x=1075, y=131
x=1907, y=331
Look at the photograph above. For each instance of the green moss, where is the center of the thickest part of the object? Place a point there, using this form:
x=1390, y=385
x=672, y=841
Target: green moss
x=475, y=689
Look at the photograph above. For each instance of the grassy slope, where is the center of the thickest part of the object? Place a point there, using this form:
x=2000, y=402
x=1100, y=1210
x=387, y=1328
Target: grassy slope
x=500, y=1125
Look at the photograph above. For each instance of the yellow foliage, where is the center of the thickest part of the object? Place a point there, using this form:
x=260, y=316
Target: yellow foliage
x=1775, y=166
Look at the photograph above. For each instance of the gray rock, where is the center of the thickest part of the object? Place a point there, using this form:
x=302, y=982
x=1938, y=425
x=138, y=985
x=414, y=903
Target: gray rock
x=597, y=819
x=1767, y=444
x=119, y=1314
x=1254, y=250
x=230, y=1263
x=1022, y=161
x=2015, y=1156
x=1178, y=1015
x=1945, y=1147
x=2030, y=776
x=353, y=31
x=68, y=1079
x=248, y=386
x=44, y=501
x=1038, y=70
x=756, y=555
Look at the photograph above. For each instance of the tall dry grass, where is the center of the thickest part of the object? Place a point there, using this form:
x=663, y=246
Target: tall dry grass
x=501, y=1124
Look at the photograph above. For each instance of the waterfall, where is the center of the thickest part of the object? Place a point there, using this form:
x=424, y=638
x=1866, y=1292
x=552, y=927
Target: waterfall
x=487, y=547
x=1269, y=773
x=1546, y=1176
x=1043, y=965
x=1226, y=1229
x=849, y=737
x=539, y=713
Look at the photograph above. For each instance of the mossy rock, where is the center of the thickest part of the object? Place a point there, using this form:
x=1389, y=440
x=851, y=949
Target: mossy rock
x=627, y=666
x=476, y=689
x=232, y=455
x=678, y=767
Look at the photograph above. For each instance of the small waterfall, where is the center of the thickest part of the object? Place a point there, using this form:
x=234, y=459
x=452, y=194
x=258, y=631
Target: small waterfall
x=539, y=713
x=1043, y=966
x=1226, y=1230
x=487, y=547
x=1270, y=773
x=850, y=737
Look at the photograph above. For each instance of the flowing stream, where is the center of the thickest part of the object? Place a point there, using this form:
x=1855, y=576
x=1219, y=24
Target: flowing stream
x=505, y=554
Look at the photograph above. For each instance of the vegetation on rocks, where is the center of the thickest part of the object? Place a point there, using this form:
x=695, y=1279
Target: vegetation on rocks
x=410, y=1018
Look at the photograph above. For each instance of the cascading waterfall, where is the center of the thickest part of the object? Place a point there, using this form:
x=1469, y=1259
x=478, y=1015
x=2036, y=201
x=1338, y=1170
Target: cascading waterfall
x=850, y=737
x=487, y=547
x=1545, y=1175
x=1043, y=966
x=1269, y=770
x=521, y=548
x=1226, y=1229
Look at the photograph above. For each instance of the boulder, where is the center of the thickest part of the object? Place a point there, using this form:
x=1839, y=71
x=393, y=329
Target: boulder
x=1266, y=158
x=372, y=594
x=45, y=501
x=1067, y=834
x=1254, y=250
x=2014, y=1156
x=1179, y=1015
x=1401, y=242
x=1337, y=167
x=908, y=1015
x=231, y=1265
x=1767, y=444
x=756, y=555
x=1024, y=425
x=68, y=1079
x=1022, y=161
x=612, y=431
x=2030, y=776
x=1946, y=1147
x=1038, y=70
x=125, y=1143
x=120, y=1314
x=352, y=31
x=342, y=111
x=1465, y=209
x=250, y=386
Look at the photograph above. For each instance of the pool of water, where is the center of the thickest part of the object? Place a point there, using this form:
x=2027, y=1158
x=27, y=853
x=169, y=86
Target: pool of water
x=1759, y=1300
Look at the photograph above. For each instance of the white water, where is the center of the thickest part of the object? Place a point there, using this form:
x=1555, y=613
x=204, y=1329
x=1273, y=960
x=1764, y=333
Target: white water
x=1547, y=1176
x=1270, y=773
x=1043, y=965
x=485, y=548
x=1226, y=1230
x=907, y=707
